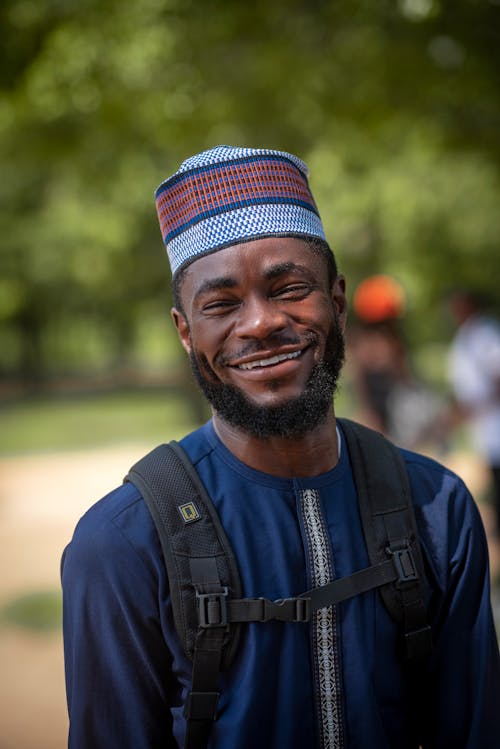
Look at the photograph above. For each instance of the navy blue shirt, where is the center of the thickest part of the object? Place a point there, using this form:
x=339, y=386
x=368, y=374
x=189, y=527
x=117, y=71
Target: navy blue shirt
x=335, y=682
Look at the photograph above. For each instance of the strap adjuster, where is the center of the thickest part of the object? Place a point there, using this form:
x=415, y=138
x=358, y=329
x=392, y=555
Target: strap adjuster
x=405, y=564
x=212, y=609
x=418, y=643
x=201, y=706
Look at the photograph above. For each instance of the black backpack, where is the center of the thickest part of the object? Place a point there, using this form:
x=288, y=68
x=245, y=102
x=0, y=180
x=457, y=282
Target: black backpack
x=203, y=573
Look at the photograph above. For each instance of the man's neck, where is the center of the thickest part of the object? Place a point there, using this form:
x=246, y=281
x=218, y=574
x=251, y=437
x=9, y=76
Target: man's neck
x=306, y=456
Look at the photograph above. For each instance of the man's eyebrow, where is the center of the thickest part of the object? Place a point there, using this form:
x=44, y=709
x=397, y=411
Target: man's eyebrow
x=280, y=269
x=228, y=282
x=215, y=284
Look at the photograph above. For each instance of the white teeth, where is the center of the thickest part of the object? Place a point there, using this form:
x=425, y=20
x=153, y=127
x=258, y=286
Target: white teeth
x=269, y=362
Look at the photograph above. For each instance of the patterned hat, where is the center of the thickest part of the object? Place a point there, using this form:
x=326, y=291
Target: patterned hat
x=225, y=196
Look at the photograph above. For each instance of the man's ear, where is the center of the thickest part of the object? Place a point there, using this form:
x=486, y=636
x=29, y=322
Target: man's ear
x=182, y=326
x=339, y=299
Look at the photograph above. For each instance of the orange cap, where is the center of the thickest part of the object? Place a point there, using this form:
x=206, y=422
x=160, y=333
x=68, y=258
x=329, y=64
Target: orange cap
x=379, y=298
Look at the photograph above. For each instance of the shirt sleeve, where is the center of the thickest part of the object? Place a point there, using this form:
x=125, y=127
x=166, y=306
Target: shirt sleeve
x=118, y=667
x=462, y=683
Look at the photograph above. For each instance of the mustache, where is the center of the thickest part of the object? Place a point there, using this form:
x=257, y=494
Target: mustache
x=276, y=340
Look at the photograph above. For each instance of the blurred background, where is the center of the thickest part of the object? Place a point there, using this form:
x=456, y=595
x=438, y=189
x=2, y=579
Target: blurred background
x=395, y=106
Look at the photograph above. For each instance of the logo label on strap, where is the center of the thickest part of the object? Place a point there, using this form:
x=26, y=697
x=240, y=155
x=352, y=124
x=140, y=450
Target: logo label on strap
x=189, y=512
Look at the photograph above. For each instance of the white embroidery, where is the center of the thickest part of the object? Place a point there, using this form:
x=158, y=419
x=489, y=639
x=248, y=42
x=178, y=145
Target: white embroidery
x=324, y=626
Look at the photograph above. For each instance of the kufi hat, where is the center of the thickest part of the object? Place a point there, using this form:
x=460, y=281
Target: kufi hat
x=225, y=196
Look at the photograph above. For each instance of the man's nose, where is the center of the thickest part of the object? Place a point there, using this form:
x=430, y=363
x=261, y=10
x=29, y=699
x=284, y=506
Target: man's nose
x=260, y=318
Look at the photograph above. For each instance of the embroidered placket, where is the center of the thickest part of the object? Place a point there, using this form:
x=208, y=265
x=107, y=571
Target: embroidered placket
x=324, y=625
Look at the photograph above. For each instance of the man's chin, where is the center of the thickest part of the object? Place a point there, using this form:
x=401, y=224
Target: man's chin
x=277, y=399
x=288, y=418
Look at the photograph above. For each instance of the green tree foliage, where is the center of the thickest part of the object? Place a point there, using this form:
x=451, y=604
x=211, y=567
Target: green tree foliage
x=394, y=105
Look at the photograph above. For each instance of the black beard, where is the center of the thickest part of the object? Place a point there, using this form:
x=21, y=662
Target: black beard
x=291, y=419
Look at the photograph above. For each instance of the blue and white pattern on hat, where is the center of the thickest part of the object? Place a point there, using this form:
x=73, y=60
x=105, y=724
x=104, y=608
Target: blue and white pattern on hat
x=242, y=226
x=230, y=153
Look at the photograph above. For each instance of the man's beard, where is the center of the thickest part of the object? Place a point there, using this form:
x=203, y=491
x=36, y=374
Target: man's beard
x=291, y=419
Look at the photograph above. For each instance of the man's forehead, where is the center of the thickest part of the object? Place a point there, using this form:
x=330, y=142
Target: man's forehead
x=265, y=257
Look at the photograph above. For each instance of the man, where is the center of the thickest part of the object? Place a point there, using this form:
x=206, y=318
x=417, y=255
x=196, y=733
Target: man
x=474, y=373
x=260, y=310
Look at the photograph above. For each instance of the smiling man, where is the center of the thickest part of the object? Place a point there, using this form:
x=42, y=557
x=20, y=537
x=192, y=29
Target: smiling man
x=265, y=337
x=260, y=309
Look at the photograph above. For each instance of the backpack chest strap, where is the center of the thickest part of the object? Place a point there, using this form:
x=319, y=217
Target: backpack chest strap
x=217, y=609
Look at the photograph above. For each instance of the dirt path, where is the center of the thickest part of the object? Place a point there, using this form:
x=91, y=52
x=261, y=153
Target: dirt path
x=41, y=499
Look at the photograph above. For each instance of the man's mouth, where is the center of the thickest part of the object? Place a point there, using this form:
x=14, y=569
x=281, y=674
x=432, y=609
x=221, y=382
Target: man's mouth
x=269, y=361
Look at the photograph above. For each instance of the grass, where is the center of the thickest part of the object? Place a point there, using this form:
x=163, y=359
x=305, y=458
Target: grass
x=50, y=422
x=47, y=423
x=40, y=611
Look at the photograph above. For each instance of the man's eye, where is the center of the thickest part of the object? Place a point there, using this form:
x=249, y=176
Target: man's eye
x=219, y=305
x=294, y=291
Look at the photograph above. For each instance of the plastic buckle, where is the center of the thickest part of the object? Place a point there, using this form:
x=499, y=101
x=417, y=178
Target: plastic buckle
x=404, y=563
x=286, y=609
x=212, y=609
x=302, y=609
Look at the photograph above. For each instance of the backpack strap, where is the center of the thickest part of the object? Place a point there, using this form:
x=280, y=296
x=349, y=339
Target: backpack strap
x=201, y=570
x=390, y=529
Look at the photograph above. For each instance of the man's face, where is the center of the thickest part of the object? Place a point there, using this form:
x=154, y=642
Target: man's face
x=263, y=330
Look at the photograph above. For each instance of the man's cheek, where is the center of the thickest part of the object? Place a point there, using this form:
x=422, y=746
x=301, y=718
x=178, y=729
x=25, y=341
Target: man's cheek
x=204, y=367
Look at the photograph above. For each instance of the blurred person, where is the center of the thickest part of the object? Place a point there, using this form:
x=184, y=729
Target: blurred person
x=391, y=398
x=474, y=373
x=377, y=351
x=260, y=310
